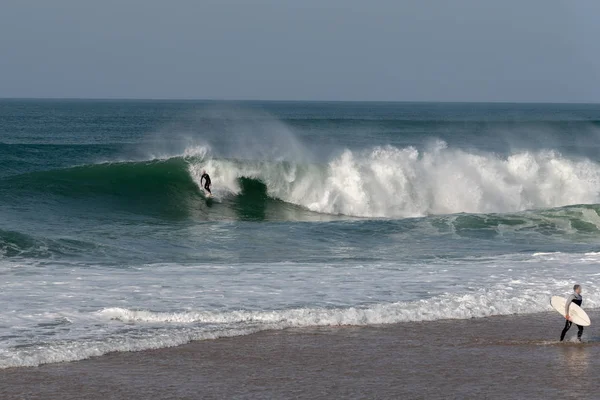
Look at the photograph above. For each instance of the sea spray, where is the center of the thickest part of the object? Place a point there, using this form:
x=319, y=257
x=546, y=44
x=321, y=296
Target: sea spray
x=391, y=182
x=380, y=182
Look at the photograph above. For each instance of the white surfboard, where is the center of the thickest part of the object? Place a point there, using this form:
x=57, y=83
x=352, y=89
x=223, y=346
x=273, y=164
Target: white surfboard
x=578, y=316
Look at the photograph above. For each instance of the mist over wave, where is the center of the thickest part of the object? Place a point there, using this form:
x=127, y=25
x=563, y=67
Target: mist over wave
x=253, y=154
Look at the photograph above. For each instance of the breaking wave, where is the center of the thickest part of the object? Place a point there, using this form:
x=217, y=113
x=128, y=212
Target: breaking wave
x=382, y=182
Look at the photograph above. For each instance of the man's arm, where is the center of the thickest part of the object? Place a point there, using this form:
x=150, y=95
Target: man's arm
x=568, y=304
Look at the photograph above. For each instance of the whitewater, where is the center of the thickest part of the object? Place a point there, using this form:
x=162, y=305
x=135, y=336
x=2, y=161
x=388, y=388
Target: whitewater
x=390, y=182
x=325, y=214
x=506, y=285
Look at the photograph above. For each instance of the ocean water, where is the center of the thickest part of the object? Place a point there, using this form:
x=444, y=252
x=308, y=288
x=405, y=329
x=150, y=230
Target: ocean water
x=323, y=214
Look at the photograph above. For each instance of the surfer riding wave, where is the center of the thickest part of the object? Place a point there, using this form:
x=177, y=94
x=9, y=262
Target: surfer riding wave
x=207, y=182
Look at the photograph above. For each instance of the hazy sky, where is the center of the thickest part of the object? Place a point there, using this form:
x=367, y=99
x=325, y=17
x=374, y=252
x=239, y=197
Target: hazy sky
x=447, y=50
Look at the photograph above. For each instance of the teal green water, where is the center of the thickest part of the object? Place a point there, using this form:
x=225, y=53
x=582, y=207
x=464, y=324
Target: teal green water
x=69, y=168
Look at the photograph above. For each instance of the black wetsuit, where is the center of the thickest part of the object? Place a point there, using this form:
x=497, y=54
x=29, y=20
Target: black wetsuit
x=207, y=183
x=577, y=299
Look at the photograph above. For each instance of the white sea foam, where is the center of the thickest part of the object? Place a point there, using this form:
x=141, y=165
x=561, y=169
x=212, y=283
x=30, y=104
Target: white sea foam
x=64, y=313
x=404, y=182
x=211, y=325
x=166, y=329
x=479, y=304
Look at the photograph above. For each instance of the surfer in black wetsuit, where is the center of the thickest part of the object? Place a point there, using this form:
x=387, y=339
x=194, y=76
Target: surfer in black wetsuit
x=207, y=183
x=577, y=299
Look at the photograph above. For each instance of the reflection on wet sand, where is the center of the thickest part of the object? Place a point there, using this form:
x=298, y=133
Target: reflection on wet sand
x=574, y=358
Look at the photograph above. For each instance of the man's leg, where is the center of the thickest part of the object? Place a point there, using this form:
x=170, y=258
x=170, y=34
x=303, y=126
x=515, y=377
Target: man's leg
x=564, y=332
x=579, y=332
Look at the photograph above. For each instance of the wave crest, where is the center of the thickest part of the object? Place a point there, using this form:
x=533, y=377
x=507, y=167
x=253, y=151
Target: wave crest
x=382, y=182
x=390, y=182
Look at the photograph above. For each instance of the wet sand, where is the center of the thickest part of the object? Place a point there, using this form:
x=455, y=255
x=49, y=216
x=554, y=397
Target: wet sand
x=509, y=357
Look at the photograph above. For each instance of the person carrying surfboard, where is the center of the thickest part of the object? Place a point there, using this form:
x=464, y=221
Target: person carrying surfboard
x=577, y=299
x=207, y=183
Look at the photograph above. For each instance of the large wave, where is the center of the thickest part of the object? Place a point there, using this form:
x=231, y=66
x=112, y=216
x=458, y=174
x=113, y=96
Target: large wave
x=382, y=182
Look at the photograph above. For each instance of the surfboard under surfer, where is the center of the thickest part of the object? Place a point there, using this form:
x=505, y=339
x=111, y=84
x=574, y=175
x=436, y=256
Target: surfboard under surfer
x=207, y=182
x=577, y=299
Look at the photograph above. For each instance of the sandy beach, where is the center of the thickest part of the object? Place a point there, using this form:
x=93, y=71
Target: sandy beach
x=506, y=357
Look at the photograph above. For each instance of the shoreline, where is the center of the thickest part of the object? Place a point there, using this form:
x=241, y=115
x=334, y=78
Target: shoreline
x=495, y=357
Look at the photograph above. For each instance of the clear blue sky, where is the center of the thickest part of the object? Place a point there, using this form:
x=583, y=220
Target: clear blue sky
x=444, y=50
